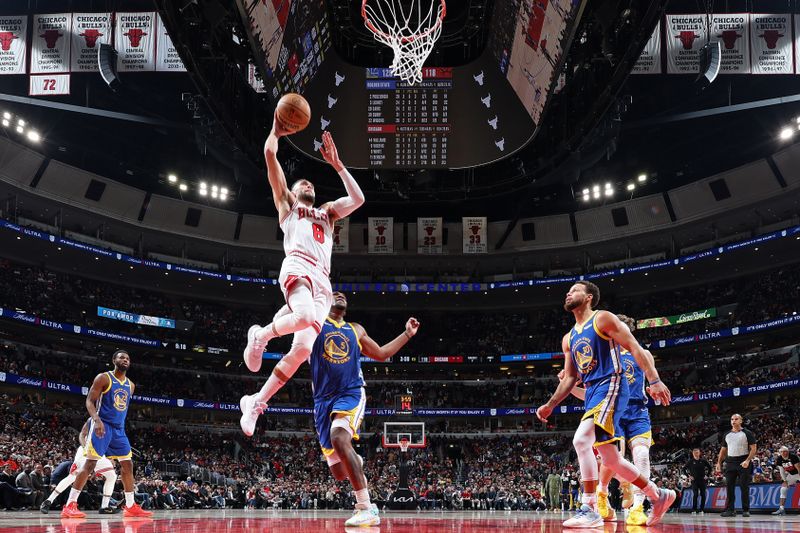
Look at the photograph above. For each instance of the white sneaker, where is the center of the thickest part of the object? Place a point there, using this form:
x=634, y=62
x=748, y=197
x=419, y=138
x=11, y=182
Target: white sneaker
x=254, y=352
x=250, y=411
x=660, y=507
x=586, y=517
x=364, y=517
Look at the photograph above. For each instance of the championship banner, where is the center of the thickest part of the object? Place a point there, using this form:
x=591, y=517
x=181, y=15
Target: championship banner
x=380, y=235
x=649, y=61
x=13, y=33
x=673, y=320
x=134, y=39
x=341, y=236
x=732, y=31
x=167, y=58
x=133, y=318
x=51, y=43
x=771, y=38
x=474, y=235
x=429, y=235
x=256, y=83
x=686, y=34
x=48, y=84
x=89, y=31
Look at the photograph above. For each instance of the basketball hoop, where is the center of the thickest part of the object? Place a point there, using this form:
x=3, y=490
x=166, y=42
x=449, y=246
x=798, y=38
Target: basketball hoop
x=411, y=35
x=404, y=443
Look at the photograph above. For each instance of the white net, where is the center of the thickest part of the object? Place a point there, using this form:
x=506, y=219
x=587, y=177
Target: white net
x=409, y=27
x=404, y=443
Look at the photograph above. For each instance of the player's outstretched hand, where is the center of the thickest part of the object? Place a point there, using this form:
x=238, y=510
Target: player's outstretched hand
x=660, y=393
x=329, y=152
x=99, y=428
x=278, y=128
x=412, y=326
x=543, y=413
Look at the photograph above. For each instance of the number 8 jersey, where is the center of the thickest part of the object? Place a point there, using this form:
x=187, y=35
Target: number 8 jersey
x=308, y=237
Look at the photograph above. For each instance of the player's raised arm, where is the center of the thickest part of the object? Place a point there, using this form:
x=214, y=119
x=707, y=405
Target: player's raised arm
x=371, y=349
x=345, y=205
x=565, y=386
x=609, y=324
x=281, y=194
x=101, y=383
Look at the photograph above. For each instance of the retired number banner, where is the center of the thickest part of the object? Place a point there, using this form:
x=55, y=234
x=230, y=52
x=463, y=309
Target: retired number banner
x=649, y=61
x=771, y=36
x=135, y=42
x=13, y=33
x=474, y=232
x=50, y=43
x=686, y=34
x=167, y=58
x=380, y=234
x=89, y=31
x=429, y=235
x=48, y=84
x=341, y=236
x=733, y=32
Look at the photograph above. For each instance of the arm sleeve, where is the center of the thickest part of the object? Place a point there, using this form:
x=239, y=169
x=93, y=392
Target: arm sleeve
x=354, y=199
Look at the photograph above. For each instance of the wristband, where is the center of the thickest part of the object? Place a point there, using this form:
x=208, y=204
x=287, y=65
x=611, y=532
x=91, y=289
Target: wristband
x=656, y=382
x=407, y=335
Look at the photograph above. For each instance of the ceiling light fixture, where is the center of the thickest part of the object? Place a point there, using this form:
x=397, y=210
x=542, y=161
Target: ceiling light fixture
x=786, y=134
x=172, y=178
x=183, y=187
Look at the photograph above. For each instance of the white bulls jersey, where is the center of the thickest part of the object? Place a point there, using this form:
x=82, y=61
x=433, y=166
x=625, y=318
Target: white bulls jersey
x=308, y=236
x=103, y=464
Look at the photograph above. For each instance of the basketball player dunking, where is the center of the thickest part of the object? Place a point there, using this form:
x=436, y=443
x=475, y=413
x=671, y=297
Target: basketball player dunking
x=636, y=430
x=591, y=349
x=107, y=403
x=304, y=276
x=103, y=469
x=339, y=397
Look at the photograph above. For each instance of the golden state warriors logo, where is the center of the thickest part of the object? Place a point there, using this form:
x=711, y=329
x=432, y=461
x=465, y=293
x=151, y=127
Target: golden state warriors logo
x=120, y=399
x=336, y=348
x=584, y=356
x=630, y=373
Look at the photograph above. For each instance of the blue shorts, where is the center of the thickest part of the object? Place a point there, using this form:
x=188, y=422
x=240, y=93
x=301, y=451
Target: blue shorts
x=636, y=422
x=350, y=403
x=113, y=445
x=606, y=400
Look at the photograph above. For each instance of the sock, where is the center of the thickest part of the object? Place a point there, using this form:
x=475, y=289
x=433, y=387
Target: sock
x=269, y=389
x=108, y=488
x=73, y=495
x=362, y=499
x=53, y=495
x=129, y=501
x=106, y=500
x=590, y=499
x=602, y=487
x=638, y=498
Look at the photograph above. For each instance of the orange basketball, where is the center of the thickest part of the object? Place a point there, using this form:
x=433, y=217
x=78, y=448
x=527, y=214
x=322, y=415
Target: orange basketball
x=294, y=113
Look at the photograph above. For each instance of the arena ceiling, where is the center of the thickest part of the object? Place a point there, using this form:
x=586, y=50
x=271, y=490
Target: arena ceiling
x=595, y=131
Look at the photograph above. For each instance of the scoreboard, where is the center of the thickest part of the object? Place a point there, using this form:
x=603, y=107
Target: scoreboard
x=408, y=125
x=404, y=404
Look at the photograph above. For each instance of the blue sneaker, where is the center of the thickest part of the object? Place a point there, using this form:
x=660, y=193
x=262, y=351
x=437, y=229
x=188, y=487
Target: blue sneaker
x=585, y=517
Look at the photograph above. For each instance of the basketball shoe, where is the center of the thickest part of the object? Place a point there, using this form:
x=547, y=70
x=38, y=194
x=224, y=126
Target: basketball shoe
x=364, y=517
x=661, y=506
x=254, y=352
x=636, y=516
x=71, y=511
x=585, y=517
x=606, y=512
x=136, y=511
x=251, y=409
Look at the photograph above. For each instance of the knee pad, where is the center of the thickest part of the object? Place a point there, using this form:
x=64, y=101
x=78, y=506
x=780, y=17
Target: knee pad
x=641, y=458
x=301, y=302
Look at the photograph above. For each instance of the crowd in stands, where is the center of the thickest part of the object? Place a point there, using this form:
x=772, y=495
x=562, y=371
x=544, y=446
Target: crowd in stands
x=74, y=299
x=189, y=468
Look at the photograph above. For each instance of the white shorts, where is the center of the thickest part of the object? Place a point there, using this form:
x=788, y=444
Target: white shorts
x=294, y=268
x=103, y=464
x=790, y=479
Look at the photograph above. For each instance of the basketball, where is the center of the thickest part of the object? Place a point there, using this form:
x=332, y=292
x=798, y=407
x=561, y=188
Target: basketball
x=293, y=112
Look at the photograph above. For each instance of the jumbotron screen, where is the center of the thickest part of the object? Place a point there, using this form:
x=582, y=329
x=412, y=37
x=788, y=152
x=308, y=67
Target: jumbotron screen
x=456, y=117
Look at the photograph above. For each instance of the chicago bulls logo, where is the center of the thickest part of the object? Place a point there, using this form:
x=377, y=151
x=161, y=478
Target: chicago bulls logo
x=135, y=36
x=5, y=40
x=51, y=37
x=474, y=229
x=687, y=39
x=729, y=37
x=429, y=230
x=380, y=229
x=771, y=37
x=91, y=37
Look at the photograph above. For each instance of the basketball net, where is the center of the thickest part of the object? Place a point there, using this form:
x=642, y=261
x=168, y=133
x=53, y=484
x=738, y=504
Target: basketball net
x=411, y=35
x=404, y=443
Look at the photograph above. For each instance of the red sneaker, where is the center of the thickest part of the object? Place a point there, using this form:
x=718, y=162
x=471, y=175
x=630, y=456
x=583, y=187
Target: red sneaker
x=71, y=511
x=136, y=511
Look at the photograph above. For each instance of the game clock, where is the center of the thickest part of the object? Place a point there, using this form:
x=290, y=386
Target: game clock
x=404, y=404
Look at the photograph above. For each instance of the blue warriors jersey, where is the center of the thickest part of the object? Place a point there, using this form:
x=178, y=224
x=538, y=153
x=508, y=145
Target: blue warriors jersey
x=595, y=355
x=634, y=375
x=114, y=401
x=336, y=360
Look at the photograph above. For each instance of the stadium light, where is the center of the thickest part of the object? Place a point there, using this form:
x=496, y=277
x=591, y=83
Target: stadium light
x=223, y=197
x=214, y=188
x=642, y=178
x=631, y=186
x=585, y=191
x=786, y=134
x=596, y=189
x=597, y=194
x=20, y=122
x=20, y=129
x=202, y=184
x=223, y=191
x=5, y=122
x=609, y=192
x=172, y=178
x=203, y=192
x=586, y=197
x=7, y=115
x=608, y=185
x=33, y=136
x=183, y=187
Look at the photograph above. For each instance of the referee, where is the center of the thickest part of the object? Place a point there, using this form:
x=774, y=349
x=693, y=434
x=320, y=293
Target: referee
x=738, y=449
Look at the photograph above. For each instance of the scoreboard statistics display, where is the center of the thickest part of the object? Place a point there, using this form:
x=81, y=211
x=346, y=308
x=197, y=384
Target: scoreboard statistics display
x=457, y=117
x=404, y=404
